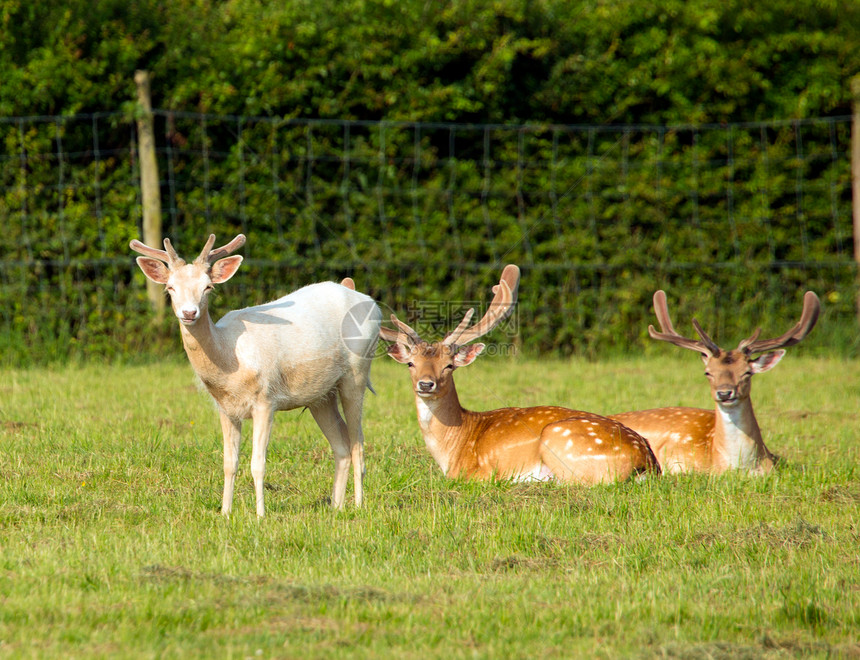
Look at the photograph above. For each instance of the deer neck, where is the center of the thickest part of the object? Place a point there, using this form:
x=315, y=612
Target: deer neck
x=443, y=423
x=206, y=350
x=737, y=438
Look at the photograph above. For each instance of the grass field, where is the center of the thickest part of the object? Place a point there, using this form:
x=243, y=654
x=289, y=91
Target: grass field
x=111, y=544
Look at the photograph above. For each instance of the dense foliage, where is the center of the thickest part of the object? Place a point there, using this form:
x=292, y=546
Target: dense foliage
x=465, y=61
x=738, y=221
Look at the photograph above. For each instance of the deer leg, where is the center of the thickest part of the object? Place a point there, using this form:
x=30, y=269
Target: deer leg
x=232, y=432
x=352, y=400
x=262, y=417
x=328, y=418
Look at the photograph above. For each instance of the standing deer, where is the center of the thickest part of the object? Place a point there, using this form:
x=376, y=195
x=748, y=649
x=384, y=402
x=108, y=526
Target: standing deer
x=540, y=443
x=727, y=438
x=306, y=349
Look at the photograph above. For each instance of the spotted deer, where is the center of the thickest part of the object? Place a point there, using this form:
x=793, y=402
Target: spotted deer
x=728, y=437
x=540, y=443
x=308, y=349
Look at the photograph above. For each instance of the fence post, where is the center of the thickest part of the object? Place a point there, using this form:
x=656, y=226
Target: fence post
x=855, y=175
x=149, y=184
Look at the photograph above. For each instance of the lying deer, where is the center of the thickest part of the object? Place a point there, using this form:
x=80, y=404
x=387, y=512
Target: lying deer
x=727, y=438
x=540, y=443
x=290, y=353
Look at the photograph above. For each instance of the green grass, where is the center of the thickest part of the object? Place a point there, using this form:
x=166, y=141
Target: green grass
x=111, y=543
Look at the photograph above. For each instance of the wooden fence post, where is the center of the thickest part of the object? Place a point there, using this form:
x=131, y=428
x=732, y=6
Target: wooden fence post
x=149, y=184
x=855, y=175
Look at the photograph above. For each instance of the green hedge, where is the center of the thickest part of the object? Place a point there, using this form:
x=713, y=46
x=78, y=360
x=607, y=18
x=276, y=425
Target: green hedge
x=735, y=222
x=609, y=149
x=557, y=61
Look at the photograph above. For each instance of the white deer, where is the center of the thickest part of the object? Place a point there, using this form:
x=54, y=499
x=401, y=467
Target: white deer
x=306, y=349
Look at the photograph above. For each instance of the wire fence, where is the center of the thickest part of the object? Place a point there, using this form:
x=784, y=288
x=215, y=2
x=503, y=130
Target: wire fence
x=734, y=221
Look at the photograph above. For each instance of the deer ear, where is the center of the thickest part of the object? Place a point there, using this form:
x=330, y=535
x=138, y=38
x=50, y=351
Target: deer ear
x=767, y=361
x=154, y=269
x=223, y=269
x=467, y=354
x=400, y=353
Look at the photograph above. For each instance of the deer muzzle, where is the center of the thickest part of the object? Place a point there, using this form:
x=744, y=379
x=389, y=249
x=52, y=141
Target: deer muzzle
x=726, y=395
x=425, y=387
x=189, y=315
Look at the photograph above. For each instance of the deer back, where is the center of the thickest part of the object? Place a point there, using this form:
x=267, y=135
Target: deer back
x=296, y=348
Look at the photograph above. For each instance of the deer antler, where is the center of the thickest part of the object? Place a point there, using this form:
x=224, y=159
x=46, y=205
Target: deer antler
x=500, y=307
x=709, y=343
x=749, y=340
x=175, y=259
x=460, y=328
x=208, y=255
x=808, y=319
x=403, y=334
x=668, y=333
x=168, y=255
x=387, y=334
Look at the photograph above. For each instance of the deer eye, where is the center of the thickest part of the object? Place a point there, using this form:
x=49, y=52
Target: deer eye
x=410, y=364
x=708, y=374
x=209, y=288
x=170, y=289
x=448, y=366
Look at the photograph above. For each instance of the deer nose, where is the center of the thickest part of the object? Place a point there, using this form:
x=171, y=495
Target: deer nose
x=726, y=395
x=426, y=385
x=189, y=314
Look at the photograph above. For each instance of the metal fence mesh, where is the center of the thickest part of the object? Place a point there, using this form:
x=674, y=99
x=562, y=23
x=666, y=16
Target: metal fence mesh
x=735, y=221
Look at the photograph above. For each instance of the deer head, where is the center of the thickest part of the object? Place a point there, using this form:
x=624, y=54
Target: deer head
x=189, y=285
x=431, y=365
x=729, y=372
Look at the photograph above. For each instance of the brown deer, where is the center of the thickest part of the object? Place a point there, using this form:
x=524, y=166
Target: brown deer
x=539, y=443
x=308, y=349
x=727, y=438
